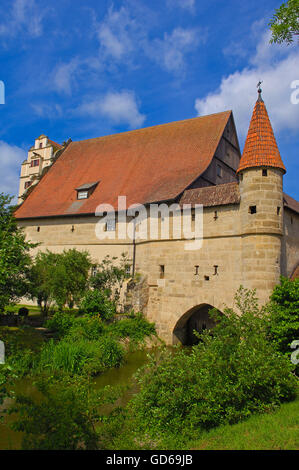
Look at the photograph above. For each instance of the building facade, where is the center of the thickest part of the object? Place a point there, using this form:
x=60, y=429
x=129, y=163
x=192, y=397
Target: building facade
x=40, y=156
x=250, y=226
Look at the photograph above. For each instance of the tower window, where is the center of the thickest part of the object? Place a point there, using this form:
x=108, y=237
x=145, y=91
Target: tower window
x=196, y=270
x=38, y=229
x=41, y=145
x=264, y=172
x=162, y=271
x=216, y=269
x=215, y=215
x=27, y=184
x=252, y=210
x=278, y=210
x=34, y=163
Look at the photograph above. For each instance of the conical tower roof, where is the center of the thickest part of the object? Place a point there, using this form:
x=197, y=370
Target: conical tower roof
x=260, y=148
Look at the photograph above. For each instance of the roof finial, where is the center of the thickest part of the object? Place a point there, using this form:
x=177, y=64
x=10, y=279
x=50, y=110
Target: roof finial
x=259, y=90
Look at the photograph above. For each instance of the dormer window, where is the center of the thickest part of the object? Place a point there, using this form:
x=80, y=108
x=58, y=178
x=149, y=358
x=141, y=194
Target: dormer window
x=84, y=191
x=82, y=194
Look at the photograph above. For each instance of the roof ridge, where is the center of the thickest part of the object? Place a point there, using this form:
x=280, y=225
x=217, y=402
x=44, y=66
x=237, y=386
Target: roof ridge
x=229, y=111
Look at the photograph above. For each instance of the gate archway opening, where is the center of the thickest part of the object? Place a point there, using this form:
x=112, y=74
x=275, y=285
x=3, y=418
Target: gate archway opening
x=197, y=319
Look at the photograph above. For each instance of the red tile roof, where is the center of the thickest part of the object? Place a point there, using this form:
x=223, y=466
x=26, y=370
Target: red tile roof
x=54, y=144
x=260, y=147
x=212, y=195
x=290, y=203
x=145, y=165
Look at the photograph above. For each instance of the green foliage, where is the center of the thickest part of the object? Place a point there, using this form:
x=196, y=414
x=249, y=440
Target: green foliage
x=60, y=278
x=76, y=356
x=96, y=302
x=285, y=22
x=228, y=376
x=60, y=323
x=136, y=328
x=66, y=416
x=269, y=431
x=284, y=315
x=14, y=256
x=110, y=276
x=71, y=277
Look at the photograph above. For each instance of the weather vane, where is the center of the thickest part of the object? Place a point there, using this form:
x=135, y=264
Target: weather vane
x=259, y=86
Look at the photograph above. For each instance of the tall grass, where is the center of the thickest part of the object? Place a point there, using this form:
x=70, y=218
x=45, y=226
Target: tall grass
x=80, y=356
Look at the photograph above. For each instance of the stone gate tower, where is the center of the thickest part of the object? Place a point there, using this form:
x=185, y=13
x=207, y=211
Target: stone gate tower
x=261, y=207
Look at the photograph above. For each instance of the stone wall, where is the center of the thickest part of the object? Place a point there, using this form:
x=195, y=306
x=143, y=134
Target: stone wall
x=239, y=247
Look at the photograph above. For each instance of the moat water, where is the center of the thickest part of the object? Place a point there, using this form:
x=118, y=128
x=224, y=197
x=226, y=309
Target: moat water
x=11, y=440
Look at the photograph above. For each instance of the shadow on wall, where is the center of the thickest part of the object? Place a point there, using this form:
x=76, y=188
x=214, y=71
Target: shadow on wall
x=197, y=319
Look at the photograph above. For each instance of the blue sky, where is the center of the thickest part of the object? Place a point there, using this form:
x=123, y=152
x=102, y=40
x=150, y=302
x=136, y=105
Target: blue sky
x=83, y=69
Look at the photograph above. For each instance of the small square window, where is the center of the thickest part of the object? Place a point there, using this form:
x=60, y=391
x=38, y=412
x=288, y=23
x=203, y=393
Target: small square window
x=110, y=225
x=128, y=270
x=265, y=172
x=206, y=278
x=82, y=194
x=252, y=210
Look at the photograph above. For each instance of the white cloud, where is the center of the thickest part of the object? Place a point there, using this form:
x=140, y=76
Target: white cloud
x=46, y=110
x=277, y=68
x=171, y=50
x=119, y=107
x=24, y=15
x=117, y=33
x=186, y=4
x=64, y=76
x=11, y=158
x=122, y=36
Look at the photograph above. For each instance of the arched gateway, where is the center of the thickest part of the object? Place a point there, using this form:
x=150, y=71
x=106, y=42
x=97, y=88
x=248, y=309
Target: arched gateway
x=198, y=319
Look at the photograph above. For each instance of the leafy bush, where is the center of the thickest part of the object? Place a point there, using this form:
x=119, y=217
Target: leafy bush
x=96, y=302
x=60, y=322
x=66, y=416
x=136, y=328
x=228, y=376
x=284, y=316
x=86, y=327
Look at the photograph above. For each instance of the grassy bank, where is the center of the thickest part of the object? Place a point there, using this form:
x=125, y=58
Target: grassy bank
x=272, y=431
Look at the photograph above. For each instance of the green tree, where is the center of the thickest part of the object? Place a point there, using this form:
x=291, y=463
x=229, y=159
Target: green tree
x=285, y=22
x=59, y=278
x=71, y=277
x=110, y=275
x=15, y=260
x=41, y=278
x=284, y=315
